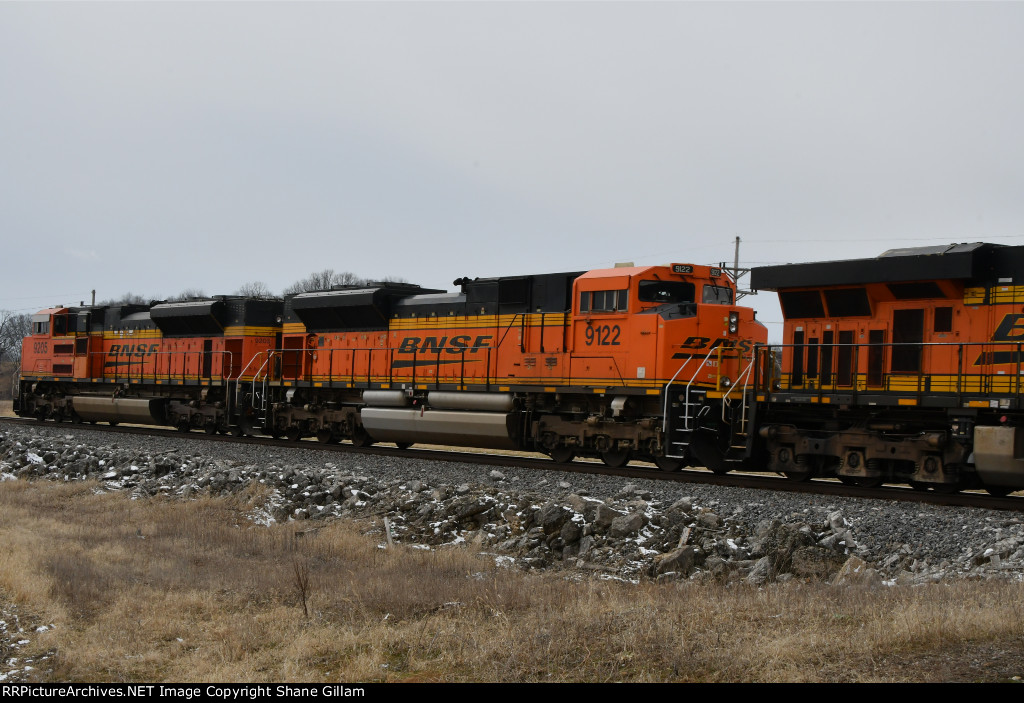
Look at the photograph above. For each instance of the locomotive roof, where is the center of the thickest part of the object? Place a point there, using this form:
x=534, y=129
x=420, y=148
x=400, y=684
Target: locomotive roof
x=975, y=261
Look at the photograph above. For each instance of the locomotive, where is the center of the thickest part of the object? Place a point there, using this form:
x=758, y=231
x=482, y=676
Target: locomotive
x=650, y=362
x=904, y=367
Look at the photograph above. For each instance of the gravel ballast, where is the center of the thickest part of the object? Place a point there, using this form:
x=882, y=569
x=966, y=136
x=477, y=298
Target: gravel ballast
x=622, y=528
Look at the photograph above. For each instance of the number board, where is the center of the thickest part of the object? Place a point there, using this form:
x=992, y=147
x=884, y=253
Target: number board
x=682, y=268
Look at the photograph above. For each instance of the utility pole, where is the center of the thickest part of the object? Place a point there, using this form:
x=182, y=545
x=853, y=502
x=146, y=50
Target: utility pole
x=737, y=272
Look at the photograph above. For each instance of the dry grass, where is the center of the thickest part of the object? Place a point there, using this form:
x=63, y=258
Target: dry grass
x=160, y=590
x=7, y=408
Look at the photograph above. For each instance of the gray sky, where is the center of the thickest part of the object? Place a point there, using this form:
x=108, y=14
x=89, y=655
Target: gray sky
x=153, y=147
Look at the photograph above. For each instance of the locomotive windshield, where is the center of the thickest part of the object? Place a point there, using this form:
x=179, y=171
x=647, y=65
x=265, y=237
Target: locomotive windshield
x=666, y=292
x=717, y=295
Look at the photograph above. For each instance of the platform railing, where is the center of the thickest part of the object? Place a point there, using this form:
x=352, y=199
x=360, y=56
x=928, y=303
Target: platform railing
x=959, y=369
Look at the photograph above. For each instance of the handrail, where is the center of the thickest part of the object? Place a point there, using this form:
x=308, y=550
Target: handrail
x=686, y=416
x=743, y=406
x=664, y=412
x=238, y=385
x=967, y=371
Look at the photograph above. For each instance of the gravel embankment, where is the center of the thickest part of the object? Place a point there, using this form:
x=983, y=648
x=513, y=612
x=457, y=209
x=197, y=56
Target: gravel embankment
x=548, y=519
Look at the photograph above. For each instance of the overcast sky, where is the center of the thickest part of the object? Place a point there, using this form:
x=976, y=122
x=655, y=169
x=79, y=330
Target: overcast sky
x=156, y=147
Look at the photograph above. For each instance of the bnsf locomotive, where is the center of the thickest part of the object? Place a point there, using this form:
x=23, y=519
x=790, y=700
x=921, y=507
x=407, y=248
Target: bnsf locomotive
x=901, y=368
x=906, y=367
x=650, y=362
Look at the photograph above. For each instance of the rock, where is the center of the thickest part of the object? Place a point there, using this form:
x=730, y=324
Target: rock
x=680, y=561
x=604, y=516
x=709, y=520
x=761, y=572
x=571, y=532
x=815, y=562
x=626, y=525
x=551, y=517
x=856, y=572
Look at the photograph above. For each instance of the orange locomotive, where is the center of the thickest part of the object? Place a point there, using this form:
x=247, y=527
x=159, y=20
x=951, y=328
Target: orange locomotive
x=634, y=361
x=167, y=363
x=906, y=368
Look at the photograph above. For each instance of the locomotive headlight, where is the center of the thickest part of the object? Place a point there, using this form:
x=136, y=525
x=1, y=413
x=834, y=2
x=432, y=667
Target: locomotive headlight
x=726, y=382
x=734, y=322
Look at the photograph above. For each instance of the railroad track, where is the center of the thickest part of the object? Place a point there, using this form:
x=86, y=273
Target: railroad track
x=978, y=499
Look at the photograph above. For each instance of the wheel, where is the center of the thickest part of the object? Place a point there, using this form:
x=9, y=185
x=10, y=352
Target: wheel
x=361, y=438
x=236, y=431
x=615, y=459
x=708, y=453
x=919, y=485
x=868, y=481
x=183, y=425
x=669, y=464
x=999, y=491
x=324, y=436
x=403, y=445
x=798, y=476
x=562, y=455
x=210, y=428
x=294, y=434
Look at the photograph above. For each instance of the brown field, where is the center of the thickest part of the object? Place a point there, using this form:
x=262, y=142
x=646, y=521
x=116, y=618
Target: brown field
x=6, y=408
x=157, y=590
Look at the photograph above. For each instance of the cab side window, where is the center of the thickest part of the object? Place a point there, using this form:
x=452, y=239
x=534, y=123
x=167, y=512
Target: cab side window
x=604, y=301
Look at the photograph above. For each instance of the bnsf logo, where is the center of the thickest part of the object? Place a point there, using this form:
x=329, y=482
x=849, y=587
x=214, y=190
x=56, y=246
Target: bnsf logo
x=133, y=349
x=705, y=342
x=456, y=345
x=1011, y=329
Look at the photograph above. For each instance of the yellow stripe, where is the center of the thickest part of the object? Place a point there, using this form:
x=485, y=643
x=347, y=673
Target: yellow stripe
x=135, y=334
x=472, y=321
x=243, y=331
x=974, y=296
x=907, y=401
x=996, y=295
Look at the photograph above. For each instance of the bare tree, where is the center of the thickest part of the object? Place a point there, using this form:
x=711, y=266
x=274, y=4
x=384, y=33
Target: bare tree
x=126, y=299
x=324, y=280
x=188, y=294
x=13, y=328
x=255, y=289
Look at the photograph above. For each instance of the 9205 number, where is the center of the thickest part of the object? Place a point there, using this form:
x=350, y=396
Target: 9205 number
x=603, y=335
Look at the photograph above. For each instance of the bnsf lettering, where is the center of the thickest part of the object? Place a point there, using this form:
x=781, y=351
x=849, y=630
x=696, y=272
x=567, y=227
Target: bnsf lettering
x=743, y=345
x=133, y=349
x=436, y=345
x=1011, y=329
x=706, y=343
